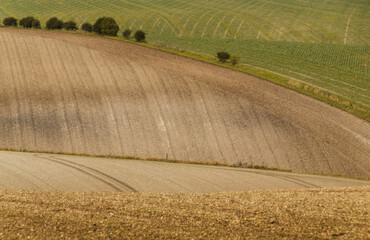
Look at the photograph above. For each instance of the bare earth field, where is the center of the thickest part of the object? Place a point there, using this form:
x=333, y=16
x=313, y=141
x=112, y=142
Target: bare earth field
x=50, y=172
x=84, y=94
x=294, y=214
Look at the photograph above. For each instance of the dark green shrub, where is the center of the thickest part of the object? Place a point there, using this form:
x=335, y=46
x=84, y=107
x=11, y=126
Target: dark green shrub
x=106, y=26
x=36, y=24
x=26, y=22
x=54, y=24
x=126, y=34
x=70, y=26
x=87, y=27
x=10, y=21
x=97, y=26
x=140, y=36
x=235, y=60
x=223, y=56
x=29, y=22
x=109, y=27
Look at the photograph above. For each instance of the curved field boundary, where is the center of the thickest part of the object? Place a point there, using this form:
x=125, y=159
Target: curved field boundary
x=127, y=100
x=286, y=20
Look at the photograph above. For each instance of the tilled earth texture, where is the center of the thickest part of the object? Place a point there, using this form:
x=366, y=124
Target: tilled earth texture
x=84, y=94
x=341, y=213
x=52, y=172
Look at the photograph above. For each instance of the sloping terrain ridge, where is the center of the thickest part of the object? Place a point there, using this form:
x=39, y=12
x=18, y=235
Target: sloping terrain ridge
x=83, y=94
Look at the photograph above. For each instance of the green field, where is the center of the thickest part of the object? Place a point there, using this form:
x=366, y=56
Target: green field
x=323, y=43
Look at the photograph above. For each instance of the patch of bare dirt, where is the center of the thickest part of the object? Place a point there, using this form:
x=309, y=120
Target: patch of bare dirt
x=294, y=214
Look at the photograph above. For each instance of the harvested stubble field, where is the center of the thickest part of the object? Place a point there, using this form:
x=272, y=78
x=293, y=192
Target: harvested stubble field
x=84, y=94
x=293, y=214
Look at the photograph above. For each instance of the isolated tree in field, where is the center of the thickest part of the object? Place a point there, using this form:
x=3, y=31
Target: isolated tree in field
x=87, y=27
x=54, y=24
x=10, y=21
x=106, y=26
x=70, y=26
x=126, y=34
x=140, y=36
x=235, y=60
x=223, y=56
x=29, y=22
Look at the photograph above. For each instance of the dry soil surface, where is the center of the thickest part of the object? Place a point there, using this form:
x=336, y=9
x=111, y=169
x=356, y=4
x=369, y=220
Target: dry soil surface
x=292, y=214
x=27, y=171
x=84, y=94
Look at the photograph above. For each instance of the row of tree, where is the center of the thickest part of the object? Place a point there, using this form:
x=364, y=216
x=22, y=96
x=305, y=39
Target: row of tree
x=103, y=26
x=27, y=22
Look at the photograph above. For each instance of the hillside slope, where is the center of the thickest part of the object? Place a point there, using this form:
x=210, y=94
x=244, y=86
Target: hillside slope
x=324, y=44
x=83, y=94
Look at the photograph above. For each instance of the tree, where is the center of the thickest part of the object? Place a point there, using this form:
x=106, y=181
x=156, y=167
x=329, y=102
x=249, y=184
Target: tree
x=54, y=23
x=87, y=27
x=10, y=21
x=70, y=26
x=97, y=26
x=109, y=27
x=36, y=24
x=29, y=22
x=126, y=34
x=106, y=26
x=26, y=22
x=140, y=36
x=235, y=60
x=223, y=56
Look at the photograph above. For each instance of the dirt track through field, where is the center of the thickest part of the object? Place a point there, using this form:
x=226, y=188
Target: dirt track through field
x=83, y=94
x=51, y=172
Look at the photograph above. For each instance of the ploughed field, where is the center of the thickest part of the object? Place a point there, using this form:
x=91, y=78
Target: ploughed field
x=324, y=44
x=84, y=94
x=52, y=172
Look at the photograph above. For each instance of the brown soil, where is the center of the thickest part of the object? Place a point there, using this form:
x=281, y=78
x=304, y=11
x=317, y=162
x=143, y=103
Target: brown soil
x=84, y=94
x=27, y=171
x=294, y=214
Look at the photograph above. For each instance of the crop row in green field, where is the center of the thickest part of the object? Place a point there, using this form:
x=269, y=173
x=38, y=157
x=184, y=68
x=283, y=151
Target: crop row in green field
x=323, y=43
x=336, y=21
x=343, y=69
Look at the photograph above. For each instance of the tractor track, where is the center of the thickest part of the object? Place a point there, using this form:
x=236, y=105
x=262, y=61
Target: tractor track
x=99, y=175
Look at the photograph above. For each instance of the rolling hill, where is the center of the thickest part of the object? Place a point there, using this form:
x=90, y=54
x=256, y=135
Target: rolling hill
x=84, y=94
x=91, y=96
x=324, y=44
